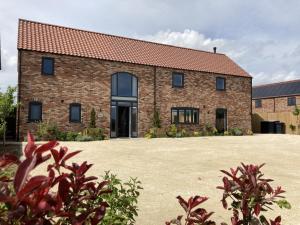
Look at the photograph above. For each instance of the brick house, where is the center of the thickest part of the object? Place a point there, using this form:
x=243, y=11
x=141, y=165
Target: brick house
x=275, y=102
x=65, y=72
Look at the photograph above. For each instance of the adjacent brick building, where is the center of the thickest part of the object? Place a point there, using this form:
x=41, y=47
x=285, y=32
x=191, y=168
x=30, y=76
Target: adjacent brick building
x=65, y=72
x=275, y=102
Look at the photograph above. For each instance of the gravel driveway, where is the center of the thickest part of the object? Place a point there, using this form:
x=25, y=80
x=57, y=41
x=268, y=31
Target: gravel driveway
x=190, y=166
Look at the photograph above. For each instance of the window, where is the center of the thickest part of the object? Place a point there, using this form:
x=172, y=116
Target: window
x=177, y=80
x=47, y=66
x=124, y=84
x=220, y=84
x=185, y=115
x=258, y=103
x=291, y=101
x=75, y=113
x=35, y=112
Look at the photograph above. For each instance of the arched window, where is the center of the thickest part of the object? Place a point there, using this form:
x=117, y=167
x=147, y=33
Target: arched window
x=124, y=85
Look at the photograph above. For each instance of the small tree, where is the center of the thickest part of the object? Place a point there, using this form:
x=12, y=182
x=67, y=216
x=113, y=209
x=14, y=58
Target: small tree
x=296, y=113
x=156, y=119
x=93, y=119
x=7, y=106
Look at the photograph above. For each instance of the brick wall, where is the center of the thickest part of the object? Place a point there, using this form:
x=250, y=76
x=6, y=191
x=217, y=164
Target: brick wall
x=87, y=81
x=271, y=105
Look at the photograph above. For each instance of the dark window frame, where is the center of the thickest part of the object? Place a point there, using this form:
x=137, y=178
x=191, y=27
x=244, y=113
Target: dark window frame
x=70, y=113
x=42, y=66
x=182, y=76
x=291, y=101
x=29, y=111
x=177, y=109
x=258, y=103
x=117, y=84
x=221, y=78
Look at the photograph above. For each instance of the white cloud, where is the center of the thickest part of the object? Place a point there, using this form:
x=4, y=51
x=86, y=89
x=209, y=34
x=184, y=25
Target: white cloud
x=266, y=60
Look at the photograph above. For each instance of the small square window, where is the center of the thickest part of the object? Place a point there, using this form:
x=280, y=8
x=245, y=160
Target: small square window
x=47, y=66
x=220, y=84
x=35, y=112
x=75, y=113
x=258, y=103
x=177, y=80
x=291, y=101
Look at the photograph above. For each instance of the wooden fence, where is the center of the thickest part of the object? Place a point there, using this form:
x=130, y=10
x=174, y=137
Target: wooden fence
x=285, y=117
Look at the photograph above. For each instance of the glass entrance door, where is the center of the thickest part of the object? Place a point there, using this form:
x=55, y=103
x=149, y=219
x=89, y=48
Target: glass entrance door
x=123, y=119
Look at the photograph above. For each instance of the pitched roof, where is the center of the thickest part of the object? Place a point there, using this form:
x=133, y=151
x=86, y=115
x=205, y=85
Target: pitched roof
x=286, y=88
x=48, y=38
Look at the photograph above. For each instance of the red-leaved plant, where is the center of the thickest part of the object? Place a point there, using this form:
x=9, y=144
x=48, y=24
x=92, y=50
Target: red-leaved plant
x=64, y=196
x=193, y=215
x=250, y=194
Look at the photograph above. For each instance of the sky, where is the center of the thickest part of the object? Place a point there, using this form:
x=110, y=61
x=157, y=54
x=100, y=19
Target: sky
x=262, y=36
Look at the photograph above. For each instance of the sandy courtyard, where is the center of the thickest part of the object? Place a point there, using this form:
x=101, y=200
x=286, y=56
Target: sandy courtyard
x=190, y=166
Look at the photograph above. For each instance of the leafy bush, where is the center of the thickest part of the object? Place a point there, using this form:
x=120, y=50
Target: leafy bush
x=71, y=136
x=83, y=138
x=193, y=216
x=250, y=194
x=249, y=132
x=152, y=133
x=292, y=127
x=208, y=130
x=156, y=119
x=172, y=131
x=67, y=197
x=95, y=133
x=236, y=131
x=47, y=131
x=122, y=201
x=92, y=123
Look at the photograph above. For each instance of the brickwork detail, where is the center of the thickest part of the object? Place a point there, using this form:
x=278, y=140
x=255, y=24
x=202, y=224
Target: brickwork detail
x=87, y=81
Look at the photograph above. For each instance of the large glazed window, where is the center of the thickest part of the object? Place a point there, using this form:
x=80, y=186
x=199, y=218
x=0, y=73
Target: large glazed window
x=124, y=85
x=185, y=115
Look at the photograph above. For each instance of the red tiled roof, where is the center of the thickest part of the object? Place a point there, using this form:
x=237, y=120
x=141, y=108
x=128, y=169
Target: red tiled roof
x=42, y=37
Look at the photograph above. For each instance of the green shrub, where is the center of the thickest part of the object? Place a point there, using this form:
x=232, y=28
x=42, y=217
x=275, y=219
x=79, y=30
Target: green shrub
x=47, y=131
x=95, y=133
x=152, y=133
x=249, y=132
x=92, y=123
x=122, y=201
x=292, y=127
x=156, y=119
x=227, y=133
x=236, y=131
x=71, y=136
x=172, y=131
x=196, y=134
x=83, y=138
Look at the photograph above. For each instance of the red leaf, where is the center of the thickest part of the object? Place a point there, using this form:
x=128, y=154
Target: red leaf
x=99, y=213
x=70, y=155
x=46, y=147
x=31, y=185
x=55, y=155
x=257, y=209
x=193, y=202
x=23, y=171
x=183, y=203
x=30, y=147
x=63, y=189
x=8, y=159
